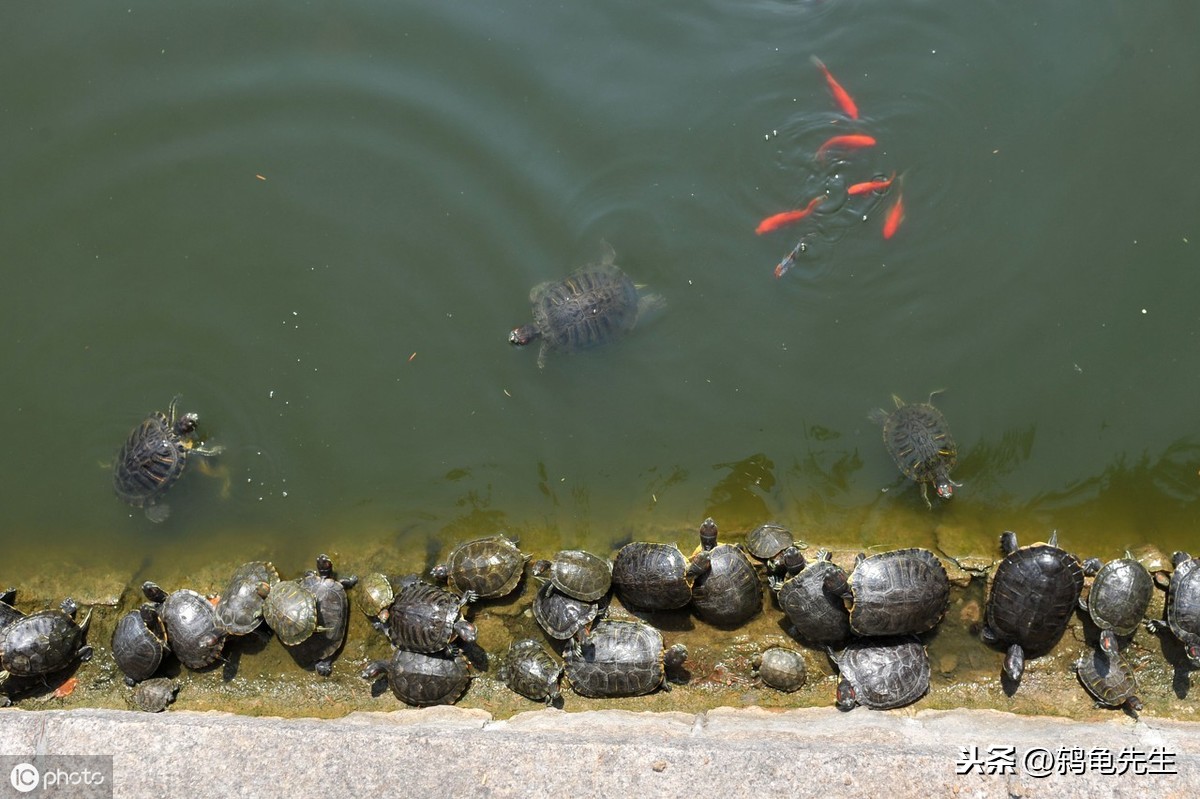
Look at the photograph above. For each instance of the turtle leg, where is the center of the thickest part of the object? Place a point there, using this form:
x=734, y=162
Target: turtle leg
x=171, y=409
x=542, y=350
x=925, y=495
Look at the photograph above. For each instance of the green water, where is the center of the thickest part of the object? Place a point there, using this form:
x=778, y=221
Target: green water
x=269, y=208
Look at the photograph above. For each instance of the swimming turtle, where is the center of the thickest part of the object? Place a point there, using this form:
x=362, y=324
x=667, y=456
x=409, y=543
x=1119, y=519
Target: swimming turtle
x=594, y=304
x=139, y=642
x=153, y=696
x=489, y=567
x=333, y=616
x=532, y=672
x=651, y=576
x=781, y=668
x=726, y=591
x=817, y=616
x=374, y=595
x=1120, y=593
x=1183, y=606
x=621, y=658
x=882, y=672
x=193, y=630
x=290, y=610
x=562, y=616
x=1106, y=675
x=42, y=642
x=240, y=607
x=919, y=441
x=427, y=618
x=577, y=574
x=904, y=591
x=423, y=679
x=1033, y=592
x=153, y=458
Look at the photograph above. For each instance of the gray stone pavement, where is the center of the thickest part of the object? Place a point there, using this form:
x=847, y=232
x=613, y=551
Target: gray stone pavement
x=453, y=752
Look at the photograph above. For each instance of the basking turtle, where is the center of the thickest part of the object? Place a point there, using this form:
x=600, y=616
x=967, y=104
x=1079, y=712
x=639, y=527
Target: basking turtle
x=333, y=616
x=1119, y=596
x=153, y=696
x=882, y=673
x=621, y=658
x=905, y=591
x=817, y=616
x=193, y=630
x=42, y=642
x=562, y=616
x=725, y=590
x=781, y=668
x=240, y=607
x=530, y=670
x=139, y=642
x=577, y=574
x=374, y=595
x=594, y=304
x=154, y=457
x=1033, y=592
x=421, y=679
x=651, y=576
x=774, y=545
x=1183, y=606
x=291, y=611
x=489, y=567
x=426, y=618
x=1106, y=675
x=919, y=440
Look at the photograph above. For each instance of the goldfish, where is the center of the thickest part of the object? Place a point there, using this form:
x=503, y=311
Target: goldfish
x=870, y=186
x=776, y=221
x=894, y=217
x=843, y=98
x=852, y=141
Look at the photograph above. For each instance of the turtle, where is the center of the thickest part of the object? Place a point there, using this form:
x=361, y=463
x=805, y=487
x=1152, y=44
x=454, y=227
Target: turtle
x=153, y=696
x=594, y=304
x=43, y=642
x=726, y=591
x=781, y=668
x=578, y=574
x=817, y=616
x=290, y=609
x=532, y=672
x=488, y=567
x=154, y=457
x=1033, y=592
x=774, y=545
x=423, y=679
x=240, y=607
x=194, y=632
x=882, y=672
x=427, y=618
x=1106, y=676
x=1120, y=593
x=374, y=595
x=1183, y=606
x=139, y=642
x=904, y=591
x=333, y=616
x=621, y=658
x=562, y=616
x=919, y=441
x=651, y=576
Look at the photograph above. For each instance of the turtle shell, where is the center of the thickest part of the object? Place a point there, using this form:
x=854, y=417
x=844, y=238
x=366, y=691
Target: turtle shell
x=919, y=441
x=1119, y=596
x=768, y=540
x=619, y=658
x=425, y=618
x=580, y=574
x=817, y=616
x=153, y=696
x=42, y=642
x=882, y=673
x=138, y=643
x=588, y=307
x=905, y=591
x=193, y=630
x=728, y=592
x=151, y=460
x=1034, y=591
x=562, y=616
x=291, y=611
x=333, y=616
x=374, y=595
x=422, y=679
x=782, y=668
x=529, y=670
x=1183, y=603
x=651, y=576
x=1108, y=678
x=489, y=566
x=240, y=607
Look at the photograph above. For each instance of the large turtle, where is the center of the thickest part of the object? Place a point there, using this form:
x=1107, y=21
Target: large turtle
x=42, y=642
x=154, y=457
x=919, y=441
x=421, y=679
x=1119, y=595
x=427, y=618
x=1183, y=606
x=726, y=591
x=195, y=633
x=240, y=607
x=651, y=576
x=532, y=672
x=139, y=642
x=592, y=305
x=904, y=591
x=333, y=617
x=490, y=567
x=577, y=574
x=817, y=616
x=1107, y=677
x=882, y=673
x=621, y=658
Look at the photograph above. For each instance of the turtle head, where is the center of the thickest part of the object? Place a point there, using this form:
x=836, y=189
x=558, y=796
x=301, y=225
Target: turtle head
x=440, y=572
x=1014, y=662
x=324, y=566
x=465, y=631
x=374, y=669
x=708, y=534
x=847, y=697
x=186, y=424
x=1193, y=654
x=790, y=561
x=523, y=335
x=945, y=486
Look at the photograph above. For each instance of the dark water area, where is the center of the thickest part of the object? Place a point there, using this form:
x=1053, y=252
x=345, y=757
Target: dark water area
x=318, y=224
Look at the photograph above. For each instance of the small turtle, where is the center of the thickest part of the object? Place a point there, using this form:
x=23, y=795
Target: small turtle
x=530, y=670
x=42, y=642
x=592, y=305
x=374, y=596
x=882, y=673
x=1106, y=675
x=621, y=658
x=333, y=616
x=290, y=610
x=651, y=576
x=1183, y=606
x=817, y=616
x=562, y=616
x=240, y=607
x=153, y=696
x=919, y=441
x=904, y=591
x=426, y=618
x=774, y=545
x=193, y=630
x=577, y=574
x=1119, y=596
x=421, y=679
x=781, y=668
x=139, y=642
x=1033, y=592
x=488, y=567
x=154, y=457
x=725, y=591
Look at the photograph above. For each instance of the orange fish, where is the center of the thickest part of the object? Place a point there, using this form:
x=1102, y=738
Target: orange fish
x=843, y=98
x=894, y=217
x=852, y=141
x=787, y=217
x=870, y=186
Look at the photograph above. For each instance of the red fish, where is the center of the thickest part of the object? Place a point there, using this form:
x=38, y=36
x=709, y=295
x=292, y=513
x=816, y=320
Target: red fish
x=852, y=141
x=843, y=98
x=787, y=217
x=870, y=186
x=895, y=216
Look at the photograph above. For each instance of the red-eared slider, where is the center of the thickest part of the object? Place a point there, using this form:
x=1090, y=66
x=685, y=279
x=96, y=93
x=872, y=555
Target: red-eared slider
x=333, y=615
x=1034, y=590
x=1106, y=675
x=905, y=591
x=882, y=673
x=426, y=618
x=577, y=574
x=1183, y=606
x=621, y=658
x=240, y=607
x=154, y=457
x=421, y=679
x=651, y=576
x=919, y=440
x=781, y=668
x=532, y=672
x=488, y=567
x=726, y=591
x=153, y=696
x=1119, y=596
x=291, y=611
x=594, y=304
x=562, y=616
x=42, y=642
x=774, y=545
x=817, y=616
x=139, y=642
x=374, y=595
x=195, y=634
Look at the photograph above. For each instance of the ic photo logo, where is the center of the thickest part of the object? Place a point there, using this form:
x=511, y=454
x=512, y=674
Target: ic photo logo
x=25, y=777
x=51, y=776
